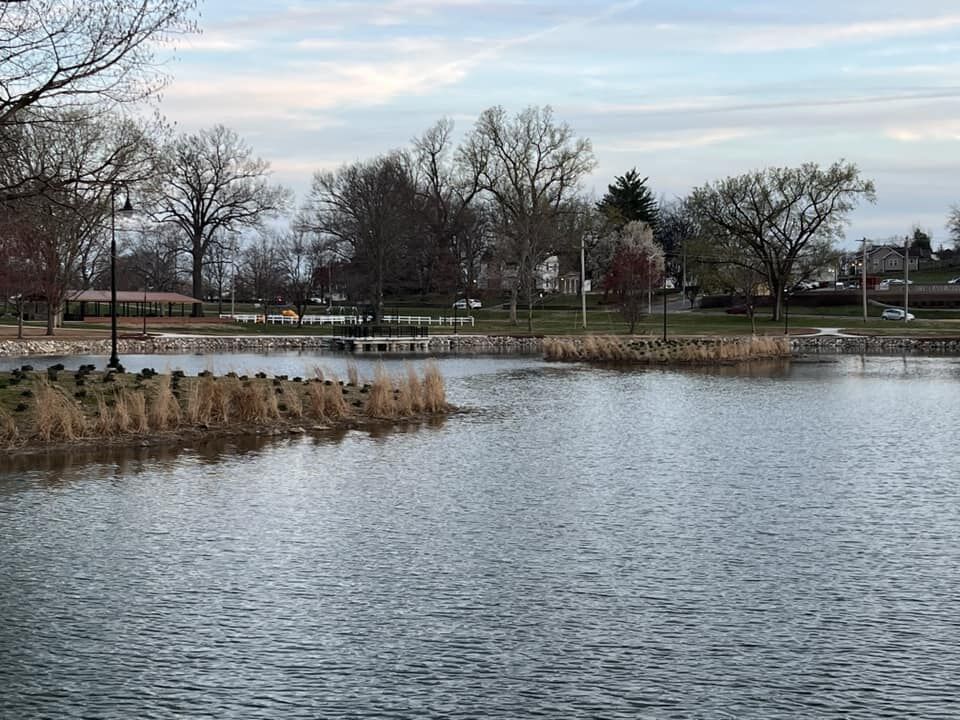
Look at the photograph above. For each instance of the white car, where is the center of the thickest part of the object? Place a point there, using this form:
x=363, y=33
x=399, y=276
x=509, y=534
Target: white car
x=954, y=281
x=463, y=303
x=896, y=314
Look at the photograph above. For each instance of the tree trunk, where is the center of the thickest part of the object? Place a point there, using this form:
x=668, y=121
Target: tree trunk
x=530, y=305
x=197, y=256
x=513, y=305
x=20, y=320
x=51, y=320
x=777, y=291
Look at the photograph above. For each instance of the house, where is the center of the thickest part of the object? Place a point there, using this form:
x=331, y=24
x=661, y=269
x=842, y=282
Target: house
x=881, y=260
x=500, y=275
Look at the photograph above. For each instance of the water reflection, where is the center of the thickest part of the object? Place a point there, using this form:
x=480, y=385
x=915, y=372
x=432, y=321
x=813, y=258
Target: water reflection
x=583, y=543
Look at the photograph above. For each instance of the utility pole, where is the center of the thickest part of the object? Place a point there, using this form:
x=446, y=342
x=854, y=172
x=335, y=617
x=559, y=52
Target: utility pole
x=583, y=281
x=863, y=280
x=906, y=280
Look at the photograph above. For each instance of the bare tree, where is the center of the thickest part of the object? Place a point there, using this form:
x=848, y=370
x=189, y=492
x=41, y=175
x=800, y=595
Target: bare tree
x=74, y=167
x=953, y=225
x=298, y=259
x=766, y=219
x=259, y=273
x=211, y=184
x=18, y=273
x=219, y=266
x=364, y=212
x=153, y=256
x=447, y=192
x=530, y=166
x=84, y=57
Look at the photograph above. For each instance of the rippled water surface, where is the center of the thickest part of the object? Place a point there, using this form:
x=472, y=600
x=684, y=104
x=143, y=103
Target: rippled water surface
x=778, y=542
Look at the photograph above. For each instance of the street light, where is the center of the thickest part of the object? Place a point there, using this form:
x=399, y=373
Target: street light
x=127, y=209
x=144, y=309
x=786, y=311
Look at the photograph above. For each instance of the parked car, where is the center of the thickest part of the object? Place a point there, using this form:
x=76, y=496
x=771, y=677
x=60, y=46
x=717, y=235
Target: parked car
x=896, y=314
x=463, y=303
x=954, y=281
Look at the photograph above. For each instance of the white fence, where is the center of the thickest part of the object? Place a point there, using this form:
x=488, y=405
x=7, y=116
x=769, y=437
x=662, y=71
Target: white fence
x=426, y=320
x=460, y=320
x=286, y=320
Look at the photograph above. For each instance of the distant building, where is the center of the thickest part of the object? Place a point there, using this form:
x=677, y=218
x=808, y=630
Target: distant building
x=881, y=260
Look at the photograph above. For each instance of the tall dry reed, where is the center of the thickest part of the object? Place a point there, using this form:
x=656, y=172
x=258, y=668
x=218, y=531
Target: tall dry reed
x=9, y=433
x=57, y=416
x=254, y=403
x=434, y=398
x=414, y=389
x=137, y=404
x=647, y=350
x=209, y=401
x=380, y=401
x=165, y=412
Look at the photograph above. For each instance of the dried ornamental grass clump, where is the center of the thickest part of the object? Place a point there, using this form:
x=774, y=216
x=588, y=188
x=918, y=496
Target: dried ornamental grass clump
x=380, y=401
x=56, y=416
x=647, y=350
x=165, y=412
x=135, y=406
x=9, y=433
x=434, y=392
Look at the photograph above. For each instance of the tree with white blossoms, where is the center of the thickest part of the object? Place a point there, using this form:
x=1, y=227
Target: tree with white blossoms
x=635, y=268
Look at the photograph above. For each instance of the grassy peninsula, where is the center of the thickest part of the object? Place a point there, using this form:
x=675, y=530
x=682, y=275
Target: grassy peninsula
x=56, y=406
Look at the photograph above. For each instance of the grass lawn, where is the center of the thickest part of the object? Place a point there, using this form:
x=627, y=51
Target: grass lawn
x=601, y=320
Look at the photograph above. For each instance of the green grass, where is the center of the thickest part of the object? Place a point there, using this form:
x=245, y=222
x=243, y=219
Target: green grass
x=607, y=320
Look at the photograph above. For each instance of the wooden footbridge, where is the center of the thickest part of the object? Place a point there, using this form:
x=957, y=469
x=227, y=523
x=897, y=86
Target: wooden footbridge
x=370, y=338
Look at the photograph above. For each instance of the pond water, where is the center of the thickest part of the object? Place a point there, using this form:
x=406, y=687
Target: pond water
x=775, y=541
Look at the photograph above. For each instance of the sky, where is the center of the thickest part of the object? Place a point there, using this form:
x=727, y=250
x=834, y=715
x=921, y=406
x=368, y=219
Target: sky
x=685, y=91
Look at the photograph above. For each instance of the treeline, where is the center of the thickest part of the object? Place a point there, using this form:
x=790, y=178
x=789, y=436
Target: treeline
x=437, y=216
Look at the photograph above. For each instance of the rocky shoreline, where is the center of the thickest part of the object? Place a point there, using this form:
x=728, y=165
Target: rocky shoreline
x=876, y=345
x=438, y=344
x=169, y=344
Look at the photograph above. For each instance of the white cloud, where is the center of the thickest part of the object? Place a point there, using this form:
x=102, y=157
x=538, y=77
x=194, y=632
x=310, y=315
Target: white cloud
x=658, y=142
x=774, y=38
x=946, y=130
x=329, y=86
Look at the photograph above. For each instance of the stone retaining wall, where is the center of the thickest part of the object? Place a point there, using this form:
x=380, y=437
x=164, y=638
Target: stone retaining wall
x=879, y=345
x=439, y=343
x=218, y=344
x=213, y=344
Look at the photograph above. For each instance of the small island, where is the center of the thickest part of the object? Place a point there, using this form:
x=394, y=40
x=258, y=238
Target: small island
x=58, y=407
x=647, y=350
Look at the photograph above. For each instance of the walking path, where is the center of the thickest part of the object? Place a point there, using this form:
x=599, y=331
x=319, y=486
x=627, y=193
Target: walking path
x=828, y=331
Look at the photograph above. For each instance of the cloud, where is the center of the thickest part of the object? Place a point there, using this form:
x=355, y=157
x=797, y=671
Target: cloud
x=658, y=142
x=905, y=70
x=938, y=131
x=326, y=86
x=775, y=38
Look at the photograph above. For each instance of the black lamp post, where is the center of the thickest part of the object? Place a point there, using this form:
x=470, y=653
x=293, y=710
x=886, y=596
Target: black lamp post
x=786, y=311
x=125, y=210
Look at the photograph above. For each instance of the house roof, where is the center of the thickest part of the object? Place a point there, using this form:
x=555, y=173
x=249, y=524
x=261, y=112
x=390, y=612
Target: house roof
x=130, y=296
